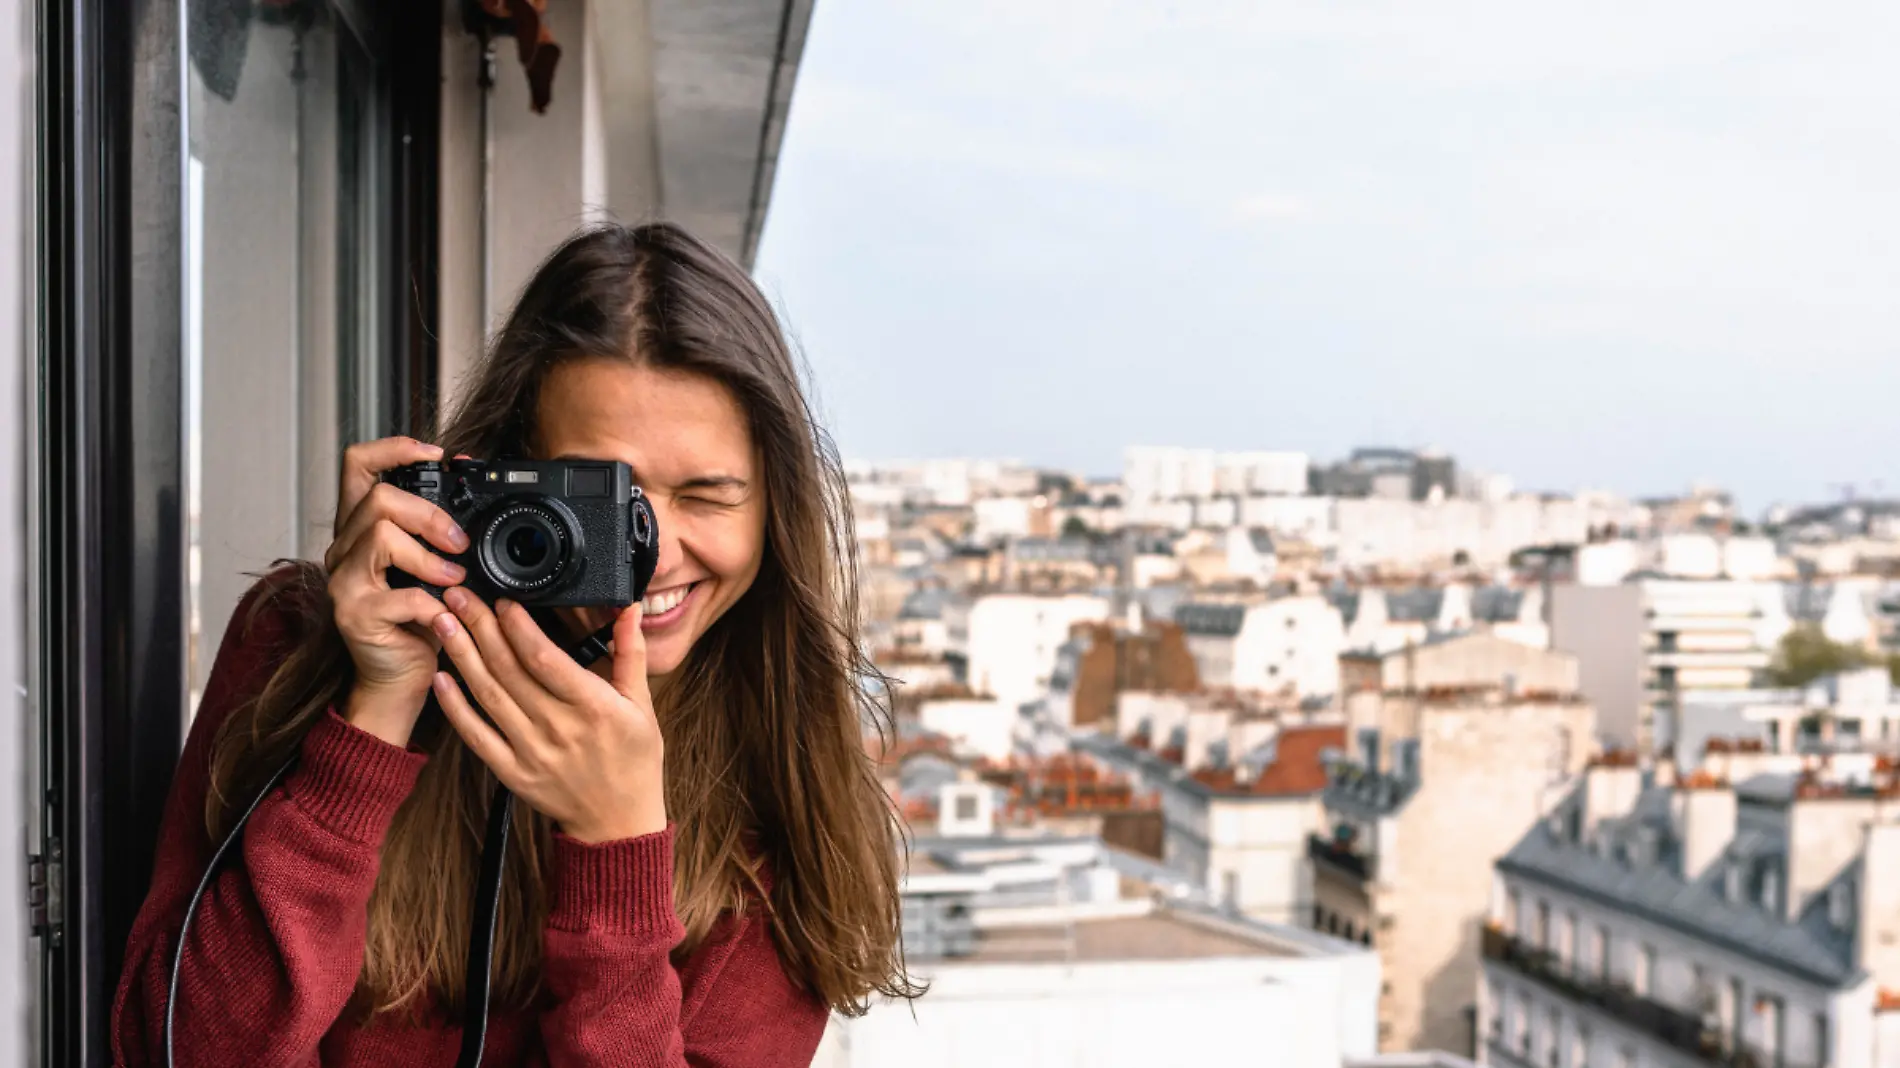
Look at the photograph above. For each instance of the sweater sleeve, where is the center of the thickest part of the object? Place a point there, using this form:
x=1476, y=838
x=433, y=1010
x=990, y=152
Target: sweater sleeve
x=277, y=943
x=619, y=1001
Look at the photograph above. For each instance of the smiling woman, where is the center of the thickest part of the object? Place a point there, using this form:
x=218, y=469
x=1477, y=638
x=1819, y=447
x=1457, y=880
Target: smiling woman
x=706, y=864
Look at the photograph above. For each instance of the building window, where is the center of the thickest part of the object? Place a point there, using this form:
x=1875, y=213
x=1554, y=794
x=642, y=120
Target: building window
x=1580, y=1047
x=1823, y=1049
x=1602, y=955
x=1568, y=940
x=1543, y=937
x=1626, y=1057
x=966, y=808
x=1494, y=1008
x=1553, y=1038
x=1738, y=1013
x=1230, y=889
x=1644, y=979
x=1514, y=913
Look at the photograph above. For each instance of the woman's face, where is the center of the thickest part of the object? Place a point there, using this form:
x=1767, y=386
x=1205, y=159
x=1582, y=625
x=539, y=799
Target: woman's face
x=686, y=439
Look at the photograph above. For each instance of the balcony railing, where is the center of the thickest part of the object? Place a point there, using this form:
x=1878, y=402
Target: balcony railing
x=1341, y=856
x=1673, y=1027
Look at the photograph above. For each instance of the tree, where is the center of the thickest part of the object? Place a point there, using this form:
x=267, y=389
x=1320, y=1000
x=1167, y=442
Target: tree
x=1074, y=527
x=1805, y=654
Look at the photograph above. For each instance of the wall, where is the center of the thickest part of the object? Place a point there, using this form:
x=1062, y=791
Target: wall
x=1291, y=642
x=1013, y=640
x=1294, y=1013
x=593, y=154
x=1485, y=769
x=1602, y=626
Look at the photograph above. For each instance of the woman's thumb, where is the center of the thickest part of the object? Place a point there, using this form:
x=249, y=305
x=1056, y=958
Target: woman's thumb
x=630, y=653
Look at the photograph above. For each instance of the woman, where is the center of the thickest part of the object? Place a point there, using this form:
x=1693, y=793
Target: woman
x=703, y=863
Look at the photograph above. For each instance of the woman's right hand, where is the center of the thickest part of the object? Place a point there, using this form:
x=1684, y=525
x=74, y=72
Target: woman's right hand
x=388, y=631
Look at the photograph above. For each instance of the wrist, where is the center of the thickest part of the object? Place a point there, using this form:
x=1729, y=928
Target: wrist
x=388, y=714
x=647, y=816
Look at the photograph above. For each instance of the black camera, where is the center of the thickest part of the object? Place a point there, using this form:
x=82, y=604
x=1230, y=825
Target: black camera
x=546, y=534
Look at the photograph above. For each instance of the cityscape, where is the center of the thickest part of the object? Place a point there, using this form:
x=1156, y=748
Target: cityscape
x=1380, y=761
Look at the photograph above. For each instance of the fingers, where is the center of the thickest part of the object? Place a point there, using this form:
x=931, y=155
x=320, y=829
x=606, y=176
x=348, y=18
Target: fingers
x=630, y=654
x=484, y=741
x=408, y=511
x=480, y=670
x=387, y=545
x=364, y=462
x=545, y=661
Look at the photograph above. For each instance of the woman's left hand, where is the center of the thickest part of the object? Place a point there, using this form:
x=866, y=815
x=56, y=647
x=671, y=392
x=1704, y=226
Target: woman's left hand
x=583, y=751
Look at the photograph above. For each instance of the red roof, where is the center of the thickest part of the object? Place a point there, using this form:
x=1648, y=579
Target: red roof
x=1297, y=768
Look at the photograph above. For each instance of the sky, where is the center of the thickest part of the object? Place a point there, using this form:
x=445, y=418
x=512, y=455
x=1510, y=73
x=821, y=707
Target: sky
x=1624, y=246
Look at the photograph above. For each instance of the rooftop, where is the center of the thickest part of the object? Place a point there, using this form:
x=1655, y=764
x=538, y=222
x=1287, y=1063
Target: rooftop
x=1162, y=935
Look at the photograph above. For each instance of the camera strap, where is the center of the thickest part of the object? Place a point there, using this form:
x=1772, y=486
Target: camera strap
x=481, y=942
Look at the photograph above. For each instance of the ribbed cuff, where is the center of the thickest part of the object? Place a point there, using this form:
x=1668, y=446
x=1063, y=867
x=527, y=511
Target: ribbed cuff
x=351, y=781
x=625, y=887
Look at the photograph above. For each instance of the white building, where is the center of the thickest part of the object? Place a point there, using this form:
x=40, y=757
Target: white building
x=1036, y=954
x=1240, y=794
x=1288, y=644
x=1734, y=918
x=1011, y=640
x=1646, y=644
x=1382, y=532
x=981, y=726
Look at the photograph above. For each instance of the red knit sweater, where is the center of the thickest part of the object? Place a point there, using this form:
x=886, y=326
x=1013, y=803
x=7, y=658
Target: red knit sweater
x=277, y=944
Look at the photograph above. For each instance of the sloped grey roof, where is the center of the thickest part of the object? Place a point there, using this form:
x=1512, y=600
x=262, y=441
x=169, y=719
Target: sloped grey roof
x=924, y=603
x=1656, y=892
x=1215, y=620
x=1496, y=604
x=1347, y=601
x=1414, y=606
x=1262, y=540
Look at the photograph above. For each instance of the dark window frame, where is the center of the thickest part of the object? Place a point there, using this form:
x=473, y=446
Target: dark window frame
x=109, y=463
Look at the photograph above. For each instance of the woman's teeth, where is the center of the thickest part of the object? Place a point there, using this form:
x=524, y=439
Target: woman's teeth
x=664, y=601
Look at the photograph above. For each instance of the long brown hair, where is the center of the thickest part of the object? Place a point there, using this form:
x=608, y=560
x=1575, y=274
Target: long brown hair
x=763, y=722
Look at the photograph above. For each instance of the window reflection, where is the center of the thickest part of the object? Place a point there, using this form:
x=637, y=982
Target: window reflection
x=283, y=316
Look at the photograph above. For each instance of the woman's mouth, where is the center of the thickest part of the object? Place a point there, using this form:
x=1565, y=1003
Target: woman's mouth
x=665, y=607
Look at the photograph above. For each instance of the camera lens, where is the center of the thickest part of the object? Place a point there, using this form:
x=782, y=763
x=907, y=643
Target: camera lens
x=525, y=548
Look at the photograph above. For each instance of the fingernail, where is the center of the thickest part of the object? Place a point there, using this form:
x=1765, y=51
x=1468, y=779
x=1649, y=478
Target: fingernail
x=453, y=571
x=445, y=626
x=455, y=598
x=433, y=450
x=457, y=538
x=443, y=684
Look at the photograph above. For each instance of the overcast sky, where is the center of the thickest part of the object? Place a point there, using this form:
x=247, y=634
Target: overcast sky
x=1616, y=245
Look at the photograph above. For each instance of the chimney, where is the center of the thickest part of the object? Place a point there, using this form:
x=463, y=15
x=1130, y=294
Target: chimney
x=966, y=810
x=1609, y=792
x=1205, y=726
x=1877, y=911
x=1704, y=819
x=1824, y=836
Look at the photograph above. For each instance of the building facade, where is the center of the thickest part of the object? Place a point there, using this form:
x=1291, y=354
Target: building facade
x=1732, y=916
x=1453, y=755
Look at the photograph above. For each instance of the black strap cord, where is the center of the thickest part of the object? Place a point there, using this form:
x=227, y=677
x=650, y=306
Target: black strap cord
x=481, y=942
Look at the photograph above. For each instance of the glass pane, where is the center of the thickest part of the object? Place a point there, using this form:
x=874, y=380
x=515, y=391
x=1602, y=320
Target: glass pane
x=283, y=323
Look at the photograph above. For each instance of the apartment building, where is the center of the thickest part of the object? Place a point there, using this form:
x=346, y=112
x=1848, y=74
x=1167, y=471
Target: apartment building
x=1053, y=950
x=1009, y=641
x=1645, y=644
x=1458, y=745
x=1381, y=619
x=1744, y=914
x=1849, y=712
x=1239, y=789
x=1282, y=645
